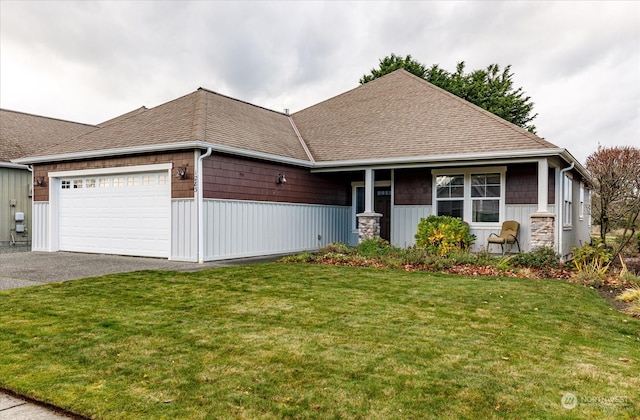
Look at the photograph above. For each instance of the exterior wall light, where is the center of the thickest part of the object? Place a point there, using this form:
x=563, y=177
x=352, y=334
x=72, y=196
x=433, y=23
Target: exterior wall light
x=281, y=179
x=181, y=172
x=38, y=181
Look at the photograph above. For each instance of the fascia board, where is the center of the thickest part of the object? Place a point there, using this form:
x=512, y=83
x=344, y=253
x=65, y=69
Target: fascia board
x=162, y=148
x=440, y=160
x=13, y=165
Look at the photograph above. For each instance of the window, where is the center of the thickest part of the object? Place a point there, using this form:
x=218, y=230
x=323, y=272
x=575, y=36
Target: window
x=450, y=195
x=66, y=185
x=162, y=179
x=132, y=181
x=77, y=183
x=147, y=180
x=90, y=183
x=485, y=197
x=103, y=183
x=475, y=195
x=118, y=181
x=567, y=192
x=581, y=215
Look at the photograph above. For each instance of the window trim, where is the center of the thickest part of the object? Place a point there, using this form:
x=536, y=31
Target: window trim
x=567, y=200
x=467, y=199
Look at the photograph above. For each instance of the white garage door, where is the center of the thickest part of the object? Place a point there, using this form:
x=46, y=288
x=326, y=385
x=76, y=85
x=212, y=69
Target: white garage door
x=125, y=214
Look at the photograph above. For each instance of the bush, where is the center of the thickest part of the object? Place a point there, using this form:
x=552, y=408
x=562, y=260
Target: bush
x=592, y=262
x=337, y=248
x=375, y=247
x=544, y=257
x=443, y=234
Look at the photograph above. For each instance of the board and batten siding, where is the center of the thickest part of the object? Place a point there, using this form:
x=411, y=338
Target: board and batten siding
x=40, y=225
x=15, y=184
x=406, y=219
x=237, y=228
x=184, y=230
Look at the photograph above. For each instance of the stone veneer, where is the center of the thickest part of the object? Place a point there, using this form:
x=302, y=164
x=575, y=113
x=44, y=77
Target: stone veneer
x=542, y=231
x=368, y=226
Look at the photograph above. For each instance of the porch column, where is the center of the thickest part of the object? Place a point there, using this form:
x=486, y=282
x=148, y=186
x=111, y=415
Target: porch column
x=368, y=221
x=543, y=185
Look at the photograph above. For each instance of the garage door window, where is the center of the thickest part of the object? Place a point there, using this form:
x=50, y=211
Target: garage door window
x=118, y=182
x=132, y=181
x=90, y=183
x=66, y=185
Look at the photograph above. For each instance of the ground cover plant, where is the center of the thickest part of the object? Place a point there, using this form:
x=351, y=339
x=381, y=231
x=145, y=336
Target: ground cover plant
x=317, y=341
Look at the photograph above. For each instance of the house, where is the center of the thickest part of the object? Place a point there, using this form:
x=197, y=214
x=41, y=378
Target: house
x=207, y=177
x=23, y=134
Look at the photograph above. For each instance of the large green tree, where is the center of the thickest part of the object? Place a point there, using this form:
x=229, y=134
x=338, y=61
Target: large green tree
x=490, y=88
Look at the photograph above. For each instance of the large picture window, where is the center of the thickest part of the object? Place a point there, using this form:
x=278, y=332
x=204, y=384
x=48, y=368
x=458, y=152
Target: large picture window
x=474, y=195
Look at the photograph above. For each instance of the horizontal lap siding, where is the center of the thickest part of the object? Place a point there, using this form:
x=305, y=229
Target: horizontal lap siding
x=231, y=178
x=234, y=228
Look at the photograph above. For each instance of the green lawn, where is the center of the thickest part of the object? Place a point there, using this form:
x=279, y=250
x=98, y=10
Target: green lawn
x=311, y=341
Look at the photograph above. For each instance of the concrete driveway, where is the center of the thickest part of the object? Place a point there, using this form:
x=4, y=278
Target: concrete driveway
x=21, y=269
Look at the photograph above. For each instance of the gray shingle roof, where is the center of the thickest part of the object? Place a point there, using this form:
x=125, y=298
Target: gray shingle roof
x=199, y=116
x=24, y=134
x=396, y=116
x=401, y=115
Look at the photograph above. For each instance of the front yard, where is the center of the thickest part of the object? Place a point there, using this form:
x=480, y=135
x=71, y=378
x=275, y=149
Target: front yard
x=317, y=341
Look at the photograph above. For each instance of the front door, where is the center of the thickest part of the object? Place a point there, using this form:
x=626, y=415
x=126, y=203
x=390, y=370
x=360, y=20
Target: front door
x=382, y=204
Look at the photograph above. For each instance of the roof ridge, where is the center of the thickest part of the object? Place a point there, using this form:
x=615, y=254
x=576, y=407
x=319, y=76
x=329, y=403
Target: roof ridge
x=240, y=100
x=48, y=118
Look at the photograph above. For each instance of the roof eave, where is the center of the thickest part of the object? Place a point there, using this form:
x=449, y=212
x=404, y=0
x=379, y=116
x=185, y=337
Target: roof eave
x=160, y=148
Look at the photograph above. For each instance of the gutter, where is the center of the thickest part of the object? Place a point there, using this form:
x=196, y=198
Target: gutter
x=13, y=166
x=200, y=206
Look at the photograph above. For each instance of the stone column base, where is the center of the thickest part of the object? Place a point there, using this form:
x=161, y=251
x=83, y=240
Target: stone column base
x=368, y=226
x=542, y=231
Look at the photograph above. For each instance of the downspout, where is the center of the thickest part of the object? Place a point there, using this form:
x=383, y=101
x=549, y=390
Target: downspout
x=200, y=206
x=560, y=207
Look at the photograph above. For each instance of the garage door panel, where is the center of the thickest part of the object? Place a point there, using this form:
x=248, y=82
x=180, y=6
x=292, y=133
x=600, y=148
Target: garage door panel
x=126, y=214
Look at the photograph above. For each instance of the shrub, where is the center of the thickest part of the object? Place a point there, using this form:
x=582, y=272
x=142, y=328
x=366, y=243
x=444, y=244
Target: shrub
x=592, y=262
x=443, y=234
x=543, y=257
x=337, y=248
x=375, y=247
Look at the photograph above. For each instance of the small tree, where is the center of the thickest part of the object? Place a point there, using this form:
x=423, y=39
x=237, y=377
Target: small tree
x=616, y=190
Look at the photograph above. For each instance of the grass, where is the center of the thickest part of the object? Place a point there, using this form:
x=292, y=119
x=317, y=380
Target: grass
x=308, y=341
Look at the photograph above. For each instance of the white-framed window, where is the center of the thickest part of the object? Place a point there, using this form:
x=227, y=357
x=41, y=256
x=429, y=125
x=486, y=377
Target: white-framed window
x=118, y=181
x=90, y=183
x=163, y=179
x=582, y=202
x=103, y=182
x=567, y=204
x=147, y=180
x=77, y=183
x=476, y=195
x=65, y=185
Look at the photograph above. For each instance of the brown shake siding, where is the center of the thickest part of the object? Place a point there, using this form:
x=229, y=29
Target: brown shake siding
x=522, y=184
x=227, y=177
x=412, y=187
x=180, y=188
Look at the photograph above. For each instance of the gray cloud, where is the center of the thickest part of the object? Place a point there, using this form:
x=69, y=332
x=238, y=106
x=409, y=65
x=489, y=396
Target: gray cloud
x=90, y=61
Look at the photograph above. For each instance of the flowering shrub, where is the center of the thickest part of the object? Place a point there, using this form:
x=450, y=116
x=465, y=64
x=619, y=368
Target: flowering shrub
x=442, y=235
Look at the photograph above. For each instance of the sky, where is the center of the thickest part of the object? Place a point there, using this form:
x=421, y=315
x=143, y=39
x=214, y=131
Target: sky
x=90, y=61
